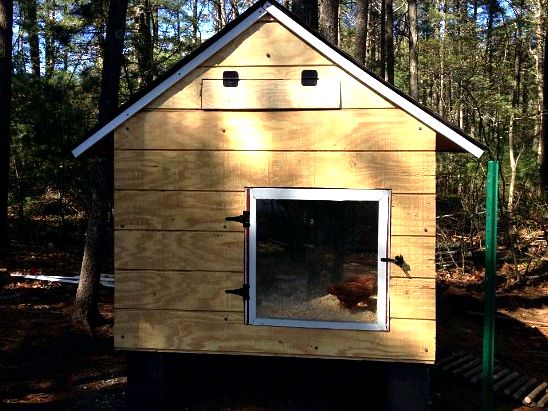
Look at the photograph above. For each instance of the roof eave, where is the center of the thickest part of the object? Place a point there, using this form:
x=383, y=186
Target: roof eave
x=283, y=16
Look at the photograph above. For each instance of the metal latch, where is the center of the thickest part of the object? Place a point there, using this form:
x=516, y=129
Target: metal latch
x=244, y=218
x=242, y=292
x=398, y=260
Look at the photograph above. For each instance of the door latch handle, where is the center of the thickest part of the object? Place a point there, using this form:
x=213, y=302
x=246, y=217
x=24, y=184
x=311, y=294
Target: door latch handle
x=242, y=292
x=243, y=219
x=398, y=260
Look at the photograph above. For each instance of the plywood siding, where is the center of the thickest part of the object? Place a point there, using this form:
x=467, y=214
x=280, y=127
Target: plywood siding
x=205, y=291
x=233, y=170
x=337, y=130
x=180, y=170
x=223, y=332
x=270, y=94
x=206, y=210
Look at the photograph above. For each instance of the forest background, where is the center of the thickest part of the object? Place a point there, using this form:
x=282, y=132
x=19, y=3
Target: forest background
x=480, y=64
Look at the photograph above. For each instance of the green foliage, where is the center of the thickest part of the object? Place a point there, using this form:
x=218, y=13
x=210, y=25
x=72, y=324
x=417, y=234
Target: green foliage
x=467, y=70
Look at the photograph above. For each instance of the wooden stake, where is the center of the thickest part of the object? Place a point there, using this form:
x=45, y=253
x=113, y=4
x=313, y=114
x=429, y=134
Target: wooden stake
x=451, y=358
x=531, y=396
x=472, y=372
x=543, y=401
x=518, y=383
x=467, y=366
x=479, y=377
x=524, y=388
x=500, y=374
x=506, y=380
x=457, y=363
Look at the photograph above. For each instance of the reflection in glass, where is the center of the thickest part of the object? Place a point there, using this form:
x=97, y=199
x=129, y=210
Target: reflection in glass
x=317, y=260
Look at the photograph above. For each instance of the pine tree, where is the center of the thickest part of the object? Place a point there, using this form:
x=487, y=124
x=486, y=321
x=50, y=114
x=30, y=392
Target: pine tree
x=6, y=33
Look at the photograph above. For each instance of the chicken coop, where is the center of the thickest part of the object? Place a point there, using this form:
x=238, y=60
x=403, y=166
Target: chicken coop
x=274, y=197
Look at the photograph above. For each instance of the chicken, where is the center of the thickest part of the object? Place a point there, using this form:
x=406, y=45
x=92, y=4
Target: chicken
x=355, y=290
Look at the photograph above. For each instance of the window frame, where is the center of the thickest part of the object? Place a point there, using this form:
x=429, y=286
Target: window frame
x=381, y=196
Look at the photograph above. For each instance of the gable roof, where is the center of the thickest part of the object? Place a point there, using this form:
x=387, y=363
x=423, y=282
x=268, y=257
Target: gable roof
x=211, y=46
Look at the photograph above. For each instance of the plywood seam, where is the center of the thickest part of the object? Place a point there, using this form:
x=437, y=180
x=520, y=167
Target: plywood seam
x=171, y=270
x=177, y=230
x=187, y=109
x=241, y=322
x=413, y=235
x=262, y=354
x=240, y=191
x=236, y=231
x=178, y=190
x=403, y=277
x=268, y=66
x=122, y=307
x=224, y=150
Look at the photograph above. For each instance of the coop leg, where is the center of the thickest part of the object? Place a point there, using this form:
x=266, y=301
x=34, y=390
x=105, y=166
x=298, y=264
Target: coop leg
x=408, y=387
x=146, y=381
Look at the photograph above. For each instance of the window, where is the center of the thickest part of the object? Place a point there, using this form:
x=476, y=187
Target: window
x=314, y=258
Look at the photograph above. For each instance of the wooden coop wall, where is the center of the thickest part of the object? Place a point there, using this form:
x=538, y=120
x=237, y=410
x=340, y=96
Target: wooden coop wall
x=180, y=170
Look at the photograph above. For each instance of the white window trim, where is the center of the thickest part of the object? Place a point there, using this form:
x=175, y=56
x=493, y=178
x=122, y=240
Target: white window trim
x=381, y=196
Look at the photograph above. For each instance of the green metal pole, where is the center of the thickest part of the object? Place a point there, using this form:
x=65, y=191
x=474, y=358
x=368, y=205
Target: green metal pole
x=490, y=283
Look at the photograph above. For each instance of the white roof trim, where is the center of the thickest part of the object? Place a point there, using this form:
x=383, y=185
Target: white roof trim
x=170, y=81
x=306, y=36
x=372, y=82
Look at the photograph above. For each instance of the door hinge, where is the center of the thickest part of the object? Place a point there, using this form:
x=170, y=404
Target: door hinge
x=244, y=218
x=242, y=292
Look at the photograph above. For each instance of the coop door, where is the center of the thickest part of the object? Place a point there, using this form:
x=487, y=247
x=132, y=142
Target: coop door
x=314, y=258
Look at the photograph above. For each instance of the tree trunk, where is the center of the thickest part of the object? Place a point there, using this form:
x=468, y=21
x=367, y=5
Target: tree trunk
x=442, y=34
x=514, y=159
x=544, y=128
x=49, y=42
x=194, y=23
x=86, y=311
x=6, y=33
x=31, y=28
x=389, y=29
x=329, y=20
x=492, y=6
x=413, y=51
x=362, y=20
x=541, y=140
x=307, y=12
x=382, y=32
x=143, y=43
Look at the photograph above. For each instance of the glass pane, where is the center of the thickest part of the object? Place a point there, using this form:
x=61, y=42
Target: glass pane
x=317, y=260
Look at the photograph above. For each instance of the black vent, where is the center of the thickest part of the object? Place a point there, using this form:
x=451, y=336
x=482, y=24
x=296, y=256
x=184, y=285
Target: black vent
x=309, y=78
x=230, y=78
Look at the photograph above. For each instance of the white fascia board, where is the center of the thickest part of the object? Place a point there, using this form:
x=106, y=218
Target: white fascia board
x=170, y=81
x=372, y=82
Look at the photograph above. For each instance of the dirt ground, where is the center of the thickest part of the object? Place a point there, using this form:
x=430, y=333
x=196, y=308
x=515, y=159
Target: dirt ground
x=45, y=364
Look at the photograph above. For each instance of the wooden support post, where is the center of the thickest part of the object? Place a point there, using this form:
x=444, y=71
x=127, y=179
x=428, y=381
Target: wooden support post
x=408, y=387
x=146, y=380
